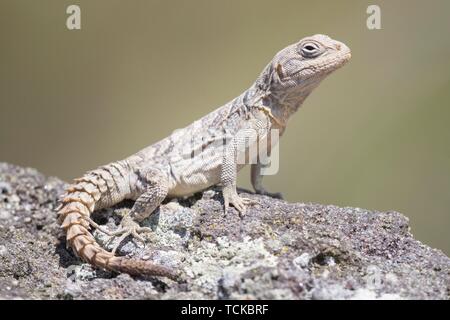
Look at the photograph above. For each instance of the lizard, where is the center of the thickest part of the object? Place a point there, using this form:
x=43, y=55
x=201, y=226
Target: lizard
x=176, y=167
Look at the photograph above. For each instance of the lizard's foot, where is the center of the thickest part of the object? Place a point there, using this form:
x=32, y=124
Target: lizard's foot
x=128, y=227
x=238, y=202
x=276, y=195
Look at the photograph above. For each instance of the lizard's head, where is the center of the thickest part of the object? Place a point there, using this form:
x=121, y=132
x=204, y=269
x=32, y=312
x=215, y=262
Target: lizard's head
x=304, y=64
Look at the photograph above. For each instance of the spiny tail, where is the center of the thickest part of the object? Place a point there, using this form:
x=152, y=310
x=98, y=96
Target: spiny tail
x=98, y=189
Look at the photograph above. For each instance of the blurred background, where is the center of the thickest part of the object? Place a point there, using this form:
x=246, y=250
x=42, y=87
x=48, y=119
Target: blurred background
x=376, y=134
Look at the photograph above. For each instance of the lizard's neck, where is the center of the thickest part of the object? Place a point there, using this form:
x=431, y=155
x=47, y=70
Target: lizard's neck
x=282, y=104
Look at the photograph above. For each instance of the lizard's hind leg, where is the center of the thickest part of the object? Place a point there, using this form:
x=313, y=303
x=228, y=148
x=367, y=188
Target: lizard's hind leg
x=152, y=186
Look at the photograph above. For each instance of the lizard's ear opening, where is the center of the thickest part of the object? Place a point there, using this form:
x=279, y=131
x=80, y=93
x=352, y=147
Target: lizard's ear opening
x=279, y=71
x=268, y=77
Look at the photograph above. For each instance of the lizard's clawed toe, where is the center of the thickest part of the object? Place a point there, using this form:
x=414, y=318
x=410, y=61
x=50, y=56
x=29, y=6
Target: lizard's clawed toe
x=128, y=227
x=238, y=202
x=249, y=202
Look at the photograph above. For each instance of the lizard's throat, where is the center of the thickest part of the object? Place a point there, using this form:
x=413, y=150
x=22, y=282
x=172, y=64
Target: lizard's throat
x=285, y=104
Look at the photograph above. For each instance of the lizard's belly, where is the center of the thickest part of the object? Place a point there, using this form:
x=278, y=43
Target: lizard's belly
x=193, y=175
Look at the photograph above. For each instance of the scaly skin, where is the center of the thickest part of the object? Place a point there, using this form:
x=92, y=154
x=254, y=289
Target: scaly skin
x=182, y=164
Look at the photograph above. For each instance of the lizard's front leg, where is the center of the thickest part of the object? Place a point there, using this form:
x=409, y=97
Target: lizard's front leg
x=236, y=147
x=153, y=185
x=230, y=195
x=256, y=178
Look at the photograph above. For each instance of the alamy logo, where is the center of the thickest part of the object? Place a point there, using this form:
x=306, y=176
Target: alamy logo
x=373, y=277
x=373, y=21
x=245, y=147
x=73, y=21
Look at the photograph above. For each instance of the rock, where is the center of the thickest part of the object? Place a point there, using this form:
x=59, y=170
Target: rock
x=4, y=215
x=278, y=250
x=302, y=261
x=3, y=250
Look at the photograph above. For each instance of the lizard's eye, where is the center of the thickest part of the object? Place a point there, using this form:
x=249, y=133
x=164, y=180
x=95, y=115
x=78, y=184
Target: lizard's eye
x=310, y=50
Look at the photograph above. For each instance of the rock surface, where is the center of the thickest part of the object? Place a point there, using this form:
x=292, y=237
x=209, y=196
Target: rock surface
x=278, y=250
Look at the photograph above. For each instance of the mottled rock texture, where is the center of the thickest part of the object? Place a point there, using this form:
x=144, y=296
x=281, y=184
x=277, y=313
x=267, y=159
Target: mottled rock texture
x=278, y=250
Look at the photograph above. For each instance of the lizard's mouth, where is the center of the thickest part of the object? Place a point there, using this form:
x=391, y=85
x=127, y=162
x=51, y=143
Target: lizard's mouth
x=329, y=65
x=346, y=55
